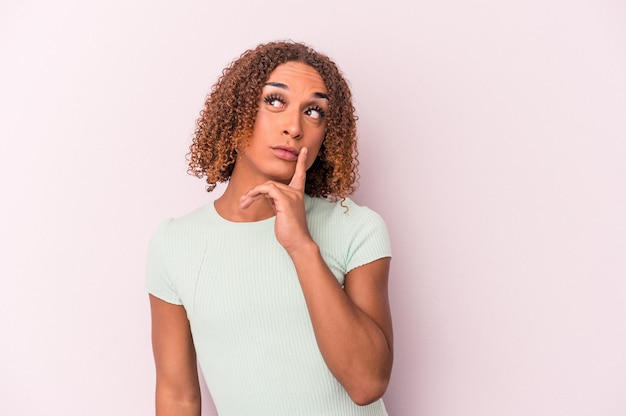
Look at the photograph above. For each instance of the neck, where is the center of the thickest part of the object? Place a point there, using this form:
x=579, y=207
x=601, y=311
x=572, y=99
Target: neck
x=227, y=205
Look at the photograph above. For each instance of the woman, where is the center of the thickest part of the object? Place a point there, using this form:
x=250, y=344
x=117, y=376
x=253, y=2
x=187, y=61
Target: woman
x=279, y=287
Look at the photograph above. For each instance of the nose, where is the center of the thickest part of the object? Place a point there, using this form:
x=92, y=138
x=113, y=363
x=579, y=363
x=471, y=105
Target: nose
x=292, y=126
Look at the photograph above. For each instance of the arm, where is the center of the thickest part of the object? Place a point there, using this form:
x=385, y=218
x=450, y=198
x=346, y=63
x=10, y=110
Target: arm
x=177, y=385
x=352, y=325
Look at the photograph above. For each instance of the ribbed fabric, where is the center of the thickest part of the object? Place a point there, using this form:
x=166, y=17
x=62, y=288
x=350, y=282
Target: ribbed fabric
x=251, y=328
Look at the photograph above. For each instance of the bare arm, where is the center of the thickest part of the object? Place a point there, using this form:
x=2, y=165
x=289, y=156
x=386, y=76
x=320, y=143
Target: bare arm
x=177, y=385
x=352, y=324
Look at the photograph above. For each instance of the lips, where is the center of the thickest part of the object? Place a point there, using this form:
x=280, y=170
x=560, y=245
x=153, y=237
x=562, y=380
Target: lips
x=286, y=152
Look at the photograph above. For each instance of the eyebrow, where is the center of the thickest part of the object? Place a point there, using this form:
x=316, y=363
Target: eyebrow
x=285, y=87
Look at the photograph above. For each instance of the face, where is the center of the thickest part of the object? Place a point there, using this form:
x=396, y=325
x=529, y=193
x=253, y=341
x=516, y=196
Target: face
x=292, y=115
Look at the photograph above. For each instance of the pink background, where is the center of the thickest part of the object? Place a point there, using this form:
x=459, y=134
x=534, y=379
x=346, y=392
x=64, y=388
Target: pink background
x=493, y=141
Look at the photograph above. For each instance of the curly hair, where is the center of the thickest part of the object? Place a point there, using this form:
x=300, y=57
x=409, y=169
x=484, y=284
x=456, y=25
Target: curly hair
x=226, y=122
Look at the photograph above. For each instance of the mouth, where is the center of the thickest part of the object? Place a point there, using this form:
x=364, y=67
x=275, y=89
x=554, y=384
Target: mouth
x=289, y=149
x=286, y=152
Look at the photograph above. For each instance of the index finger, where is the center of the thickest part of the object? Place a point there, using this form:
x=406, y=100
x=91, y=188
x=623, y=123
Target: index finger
x=299, y=176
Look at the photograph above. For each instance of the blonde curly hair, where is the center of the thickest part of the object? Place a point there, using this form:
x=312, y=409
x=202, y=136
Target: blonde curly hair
x=226, y=122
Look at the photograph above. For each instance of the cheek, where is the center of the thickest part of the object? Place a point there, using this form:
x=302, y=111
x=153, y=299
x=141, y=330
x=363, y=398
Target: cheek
x=314, y=151
x=260, y=122
x=317, y=138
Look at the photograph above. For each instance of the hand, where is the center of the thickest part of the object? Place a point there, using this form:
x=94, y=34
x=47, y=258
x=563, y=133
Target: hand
x=288, y=203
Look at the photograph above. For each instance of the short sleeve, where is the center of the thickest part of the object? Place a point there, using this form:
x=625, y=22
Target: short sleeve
x=369, y=239
x=158, y=279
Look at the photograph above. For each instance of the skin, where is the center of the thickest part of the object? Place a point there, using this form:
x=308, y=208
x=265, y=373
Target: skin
x=352, y=324
x=177, y=384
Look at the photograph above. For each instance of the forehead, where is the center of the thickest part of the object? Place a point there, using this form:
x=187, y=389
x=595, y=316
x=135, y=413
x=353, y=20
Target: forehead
x=298, y=75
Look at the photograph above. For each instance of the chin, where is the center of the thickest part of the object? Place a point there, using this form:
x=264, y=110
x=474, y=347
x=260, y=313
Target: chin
x=281, y=176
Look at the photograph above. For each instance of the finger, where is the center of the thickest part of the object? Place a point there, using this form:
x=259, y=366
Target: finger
x=249, y=198
x=299, y=177
x=268, y=190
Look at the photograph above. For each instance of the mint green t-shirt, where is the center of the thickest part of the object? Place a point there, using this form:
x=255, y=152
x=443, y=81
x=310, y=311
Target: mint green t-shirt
x=251, y=328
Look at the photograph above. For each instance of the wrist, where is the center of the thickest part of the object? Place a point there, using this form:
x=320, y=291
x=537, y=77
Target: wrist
x=304, y=252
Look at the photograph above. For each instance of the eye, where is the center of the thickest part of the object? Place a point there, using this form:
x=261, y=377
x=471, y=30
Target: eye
x=315, y=112
x=274, y=101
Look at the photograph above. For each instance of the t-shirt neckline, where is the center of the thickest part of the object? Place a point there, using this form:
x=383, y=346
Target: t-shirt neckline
x=216, y=217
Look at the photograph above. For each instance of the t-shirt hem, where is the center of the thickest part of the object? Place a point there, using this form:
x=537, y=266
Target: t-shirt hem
x=164, y=298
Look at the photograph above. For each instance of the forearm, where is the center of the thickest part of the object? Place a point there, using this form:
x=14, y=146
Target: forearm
x=172, y=403
x=354, y=346
x=177, y=385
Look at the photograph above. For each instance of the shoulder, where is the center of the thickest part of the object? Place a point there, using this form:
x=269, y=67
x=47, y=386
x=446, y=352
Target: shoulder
x=342, y=211
x=192, y=218
x=345, y=221
x=349, y=235
x=177, y=230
